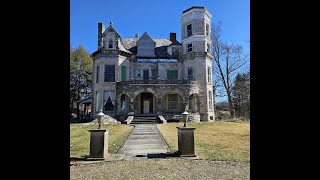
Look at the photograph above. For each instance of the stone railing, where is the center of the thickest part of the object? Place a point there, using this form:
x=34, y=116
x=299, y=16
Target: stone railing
x=157, y=81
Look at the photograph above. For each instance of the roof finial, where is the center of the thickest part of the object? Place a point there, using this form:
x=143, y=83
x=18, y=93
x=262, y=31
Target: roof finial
x=110, y=23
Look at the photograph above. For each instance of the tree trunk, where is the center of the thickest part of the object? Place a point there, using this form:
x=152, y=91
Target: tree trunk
x=78, y=111
x=230, y=106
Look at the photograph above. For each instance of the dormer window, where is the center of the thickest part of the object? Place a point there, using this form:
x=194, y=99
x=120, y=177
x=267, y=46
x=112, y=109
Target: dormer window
x=110, y=46
x=189, y=30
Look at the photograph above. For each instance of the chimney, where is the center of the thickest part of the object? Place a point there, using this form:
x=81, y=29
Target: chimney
x=137, y=35
x=172, y=37
x=101, y=29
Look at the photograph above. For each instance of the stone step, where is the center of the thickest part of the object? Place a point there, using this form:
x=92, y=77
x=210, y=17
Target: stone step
x=145, y=117
x=145, y=122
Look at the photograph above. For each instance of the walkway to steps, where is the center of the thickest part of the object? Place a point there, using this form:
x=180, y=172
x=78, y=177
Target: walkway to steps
x=144, y=139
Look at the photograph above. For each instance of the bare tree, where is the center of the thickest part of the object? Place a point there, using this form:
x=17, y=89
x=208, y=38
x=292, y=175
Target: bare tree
x=227, y=60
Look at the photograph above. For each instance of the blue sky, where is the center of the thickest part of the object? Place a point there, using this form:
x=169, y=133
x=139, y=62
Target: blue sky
x=157, y=17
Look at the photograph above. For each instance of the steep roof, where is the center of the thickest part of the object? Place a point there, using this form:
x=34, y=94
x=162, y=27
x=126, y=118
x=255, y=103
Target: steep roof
x=160, y=46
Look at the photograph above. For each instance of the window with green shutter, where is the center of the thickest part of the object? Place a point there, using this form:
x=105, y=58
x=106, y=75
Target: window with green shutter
x=172, y=74
x=123, y=73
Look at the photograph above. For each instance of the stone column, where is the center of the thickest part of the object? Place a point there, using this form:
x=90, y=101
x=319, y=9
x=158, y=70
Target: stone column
x=186, y=141
x=98, y=144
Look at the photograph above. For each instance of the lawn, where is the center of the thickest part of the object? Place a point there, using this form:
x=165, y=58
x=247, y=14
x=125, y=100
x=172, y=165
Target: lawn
x=224, y=141
x=80, y=138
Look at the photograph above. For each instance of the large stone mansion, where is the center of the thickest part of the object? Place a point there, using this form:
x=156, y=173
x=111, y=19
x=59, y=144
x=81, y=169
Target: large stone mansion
x=155, y=76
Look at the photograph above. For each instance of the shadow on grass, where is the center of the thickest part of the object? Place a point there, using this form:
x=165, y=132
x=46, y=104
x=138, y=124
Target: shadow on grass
x=82, y=158
x=160, y=155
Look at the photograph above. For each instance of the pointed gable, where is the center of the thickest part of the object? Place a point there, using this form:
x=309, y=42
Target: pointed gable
x=145, y=46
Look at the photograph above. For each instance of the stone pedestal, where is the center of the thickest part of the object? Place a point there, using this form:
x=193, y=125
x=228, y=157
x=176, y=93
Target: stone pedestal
x=98, y=144
x=186, y=141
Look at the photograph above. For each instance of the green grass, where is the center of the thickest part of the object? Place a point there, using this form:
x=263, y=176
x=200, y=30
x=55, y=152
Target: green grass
x=225, y=141
x=80, y=138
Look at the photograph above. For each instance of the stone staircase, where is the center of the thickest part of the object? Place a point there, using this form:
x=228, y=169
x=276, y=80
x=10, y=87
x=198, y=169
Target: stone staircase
x=145, y=120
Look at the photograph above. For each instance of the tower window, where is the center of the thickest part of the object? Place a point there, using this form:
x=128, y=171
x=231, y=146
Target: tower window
x=209, y=75
x=109, y=73
x=190, y=73
x=189, y=47
x=97, y=74
x=210, y=99
x=208, y=47
x=207, y=29
x=97, y=101
x=110, y=44
x=189, y=30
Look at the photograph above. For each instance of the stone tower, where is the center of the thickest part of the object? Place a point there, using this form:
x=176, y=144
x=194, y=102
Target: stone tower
x=196, y=56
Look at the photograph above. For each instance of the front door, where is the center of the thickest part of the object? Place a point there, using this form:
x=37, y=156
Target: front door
x=146, y=103
x=146, y=107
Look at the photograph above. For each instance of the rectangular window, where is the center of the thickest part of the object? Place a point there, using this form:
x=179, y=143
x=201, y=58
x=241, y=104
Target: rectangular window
x=209, y=75
x=154, y=73
x=207, y=29
x=108, y=100
x=210, y=100
x=97, y=100
x=172, y=74
x=190, y=73
x=97, y=74
x=123, y=73
x=208, y=47
x=110, y=44
x=189, y=47
x=146, y=74
x=173, y=102
x=109, y=73
x=138, y=73
x=189, y=30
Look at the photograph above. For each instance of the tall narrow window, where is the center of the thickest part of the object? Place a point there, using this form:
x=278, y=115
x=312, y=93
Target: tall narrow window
x=209, y=75
x=123, y=73
x=210, y=100
x=189, y=30
x=172, y=74
x=97, y=74
x=146, y=74
x=97, y=100
x=207, y=29
x=189, y=47
x=208, y=47
x=108, y=100
x=154, y=73
x=110, y=46
x=109, y=73
x=190, y=73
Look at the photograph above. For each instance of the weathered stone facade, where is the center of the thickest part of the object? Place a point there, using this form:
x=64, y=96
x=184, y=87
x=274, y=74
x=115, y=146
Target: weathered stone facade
x=156, y=76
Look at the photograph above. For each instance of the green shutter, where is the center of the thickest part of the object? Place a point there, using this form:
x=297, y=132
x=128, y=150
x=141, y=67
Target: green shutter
x=123, y=73
x=172, y=74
